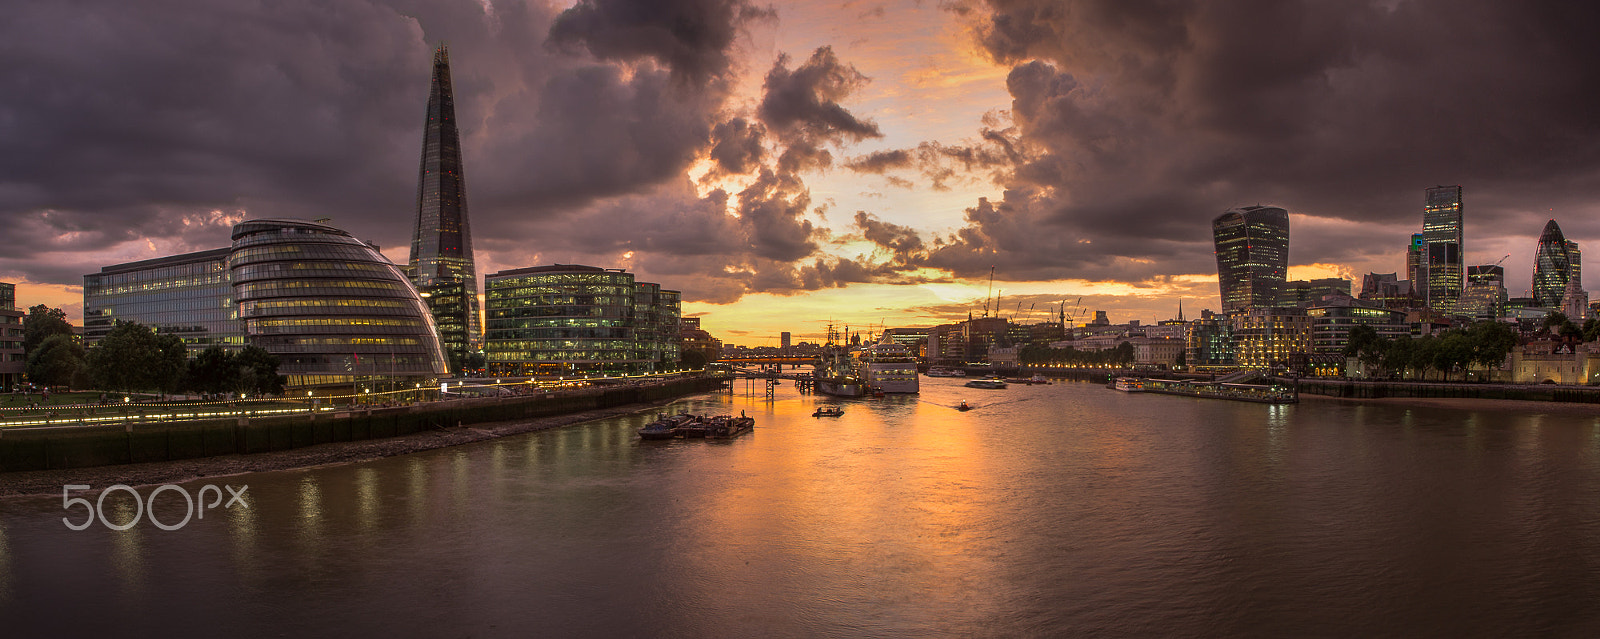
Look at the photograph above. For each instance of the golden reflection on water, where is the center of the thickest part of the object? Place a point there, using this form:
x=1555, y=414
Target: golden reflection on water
x=242, y=529
x=367, y=503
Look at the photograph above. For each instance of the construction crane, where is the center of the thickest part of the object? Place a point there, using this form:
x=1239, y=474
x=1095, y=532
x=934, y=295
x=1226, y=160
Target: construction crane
x=1502, y=260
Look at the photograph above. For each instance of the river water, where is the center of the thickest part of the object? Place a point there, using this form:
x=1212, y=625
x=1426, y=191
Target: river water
x=1062, y=510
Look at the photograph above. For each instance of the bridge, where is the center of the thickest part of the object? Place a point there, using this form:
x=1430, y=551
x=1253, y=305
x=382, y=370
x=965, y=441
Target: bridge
x=769, y=359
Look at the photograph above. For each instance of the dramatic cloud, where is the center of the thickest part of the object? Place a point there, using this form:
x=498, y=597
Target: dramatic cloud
x=169, y=119
x=802, y=108
x=1136, y=123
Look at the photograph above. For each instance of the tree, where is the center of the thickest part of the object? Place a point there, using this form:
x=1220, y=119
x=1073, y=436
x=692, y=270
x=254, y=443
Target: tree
x=1554, y=321
x=57, y=361
x=1492, y=341
x=133, y=358
x=1123, y=354
x=258, y=372
x=213, y=371
x=1591, y=329
x=42, y=322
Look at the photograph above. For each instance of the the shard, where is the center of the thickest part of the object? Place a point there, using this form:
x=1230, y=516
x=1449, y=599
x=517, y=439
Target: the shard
x=441, y=263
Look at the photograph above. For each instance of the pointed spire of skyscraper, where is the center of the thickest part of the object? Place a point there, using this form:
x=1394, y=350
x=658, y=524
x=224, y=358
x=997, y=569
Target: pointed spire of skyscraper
x=441, y=265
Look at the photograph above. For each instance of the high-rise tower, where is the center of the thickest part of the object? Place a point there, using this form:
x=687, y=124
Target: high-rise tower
x=1554, y=263
x=441, y=263
x=1252, y=256
x=1442, y=230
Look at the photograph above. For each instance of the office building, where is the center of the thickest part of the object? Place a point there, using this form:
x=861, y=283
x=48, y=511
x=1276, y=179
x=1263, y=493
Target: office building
x=1209, y=341
x=188, y=295
x=1303, y=292
x=1485, y=295
x=1417, y=260
x=331, y=307
x=441, y=265
x=1442, y=231
x=1267, y=337
x=1553, y=265
x=784, y=340
x=1387, y=291
x=567, y=319
x=13, y=362
x=1252, y=246
x=1334, y=317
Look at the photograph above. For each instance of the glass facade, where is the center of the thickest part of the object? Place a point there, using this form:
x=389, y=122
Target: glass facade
x=330, y=306
x=1442, y=230
x=187, y=295
x=567, y=319
x=1485, y=295
x=12, y=360
x=1552, y=265
x=1252, y=256
x=441, y=264
x=1268, y=337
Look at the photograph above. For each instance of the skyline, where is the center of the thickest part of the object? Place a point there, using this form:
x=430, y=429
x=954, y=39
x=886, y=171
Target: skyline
x=934, y=149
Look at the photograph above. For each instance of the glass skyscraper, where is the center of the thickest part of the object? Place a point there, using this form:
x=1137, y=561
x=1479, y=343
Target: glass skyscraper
x=441, y=265
x=1417, y=262
x=1554, y=261
x=1252, y=256
x=1442, y=230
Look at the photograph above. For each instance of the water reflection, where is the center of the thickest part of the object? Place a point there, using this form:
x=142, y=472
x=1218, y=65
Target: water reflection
x=1062, y=510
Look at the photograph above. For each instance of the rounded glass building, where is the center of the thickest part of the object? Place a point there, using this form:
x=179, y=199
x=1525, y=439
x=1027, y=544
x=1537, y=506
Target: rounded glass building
x=330, y=306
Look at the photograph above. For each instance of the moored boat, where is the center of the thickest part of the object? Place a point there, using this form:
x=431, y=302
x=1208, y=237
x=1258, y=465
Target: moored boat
x=667, y=427
x=987, y=383
x=828, y=411
x=1129, y=384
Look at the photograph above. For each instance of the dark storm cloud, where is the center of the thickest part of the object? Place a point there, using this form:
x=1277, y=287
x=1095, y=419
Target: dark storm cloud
x=737, y=146
x=1137, y=123
x=801, y=107
x=692, y=37
x=171, y=119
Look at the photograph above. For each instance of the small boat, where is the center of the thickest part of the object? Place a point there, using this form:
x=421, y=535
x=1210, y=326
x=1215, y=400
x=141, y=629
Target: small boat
x=1129, y=384
x=726, y=426
x=667, y=427
x=987, y=383
x=1038, y=379
x=829, y=411
x=964, y=407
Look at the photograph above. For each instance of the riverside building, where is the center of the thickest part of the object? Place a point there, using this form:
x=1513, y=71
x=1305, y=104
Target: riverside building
x=13, y=362
x=187, y=295
x=330, y=306
x=568, y=319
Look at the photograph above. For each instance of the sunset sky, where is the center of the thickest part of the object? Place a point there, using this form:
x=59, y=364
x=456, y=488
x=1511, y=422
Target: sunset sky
x=793, y=164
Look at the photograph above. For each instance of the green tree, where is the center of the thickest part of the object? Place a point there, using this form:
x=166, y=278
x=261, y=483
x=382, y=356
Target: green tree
x=1554, y=321
x=1591, y=329
x=1492, y=342
x=213, y=371
x=1122, y=355
x=133, y=358
x=57, y=361
x=258, y=372
x=41, y=323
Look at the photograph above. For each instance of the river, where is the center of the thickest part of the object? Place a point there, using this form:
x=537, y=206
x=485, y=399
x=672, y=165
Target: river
x=1061, y=510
